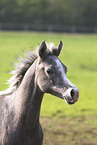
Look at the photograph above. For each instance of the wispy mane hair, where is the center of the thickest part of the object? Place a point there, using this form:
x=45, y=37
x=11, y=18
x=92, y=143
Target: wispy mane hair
x=21, y=68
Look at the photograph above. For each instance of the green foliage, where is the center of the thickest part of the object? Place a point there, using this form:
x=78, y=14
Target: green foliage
x=63, y=12
x=79, y=55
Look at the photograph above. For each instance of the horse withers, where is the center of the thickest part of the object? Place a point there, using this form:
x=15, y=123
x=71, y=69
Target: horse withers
x=41, y=72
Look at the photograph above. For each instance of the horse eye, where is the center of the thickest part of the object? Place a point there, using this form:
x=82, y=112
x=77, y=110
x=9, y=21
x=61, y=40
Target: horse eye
x=50, y=71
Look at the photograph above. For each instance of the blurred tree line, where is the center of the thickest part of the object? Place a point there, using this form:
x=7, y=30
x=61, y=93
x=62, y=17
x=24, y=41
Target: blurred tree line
x=59, y=12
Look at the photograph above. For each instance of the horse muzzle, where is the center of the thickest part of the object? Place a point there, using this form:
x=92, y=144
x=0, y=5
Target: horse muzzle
x=71, y=95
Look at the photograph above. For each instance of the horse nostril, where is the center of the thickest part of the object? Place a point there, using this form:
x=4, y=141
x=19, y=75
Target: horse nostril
x=75, y=94
x=72, y=93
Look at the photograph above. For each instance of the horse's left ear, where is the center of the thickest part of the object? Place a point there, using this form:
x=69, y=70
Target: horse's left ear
x=43, y=51
x=57, y=51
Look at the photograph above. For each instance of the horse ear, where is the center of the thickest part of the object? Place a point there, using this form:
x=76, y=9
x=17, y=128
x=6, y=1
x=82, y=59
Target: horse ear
x=60, y=46
x=42, y=49
x=57, y=51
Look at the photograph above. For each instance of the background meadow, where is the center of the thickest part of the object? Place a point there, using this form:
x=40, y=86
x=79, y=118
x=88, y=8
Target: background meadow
x=62, y=123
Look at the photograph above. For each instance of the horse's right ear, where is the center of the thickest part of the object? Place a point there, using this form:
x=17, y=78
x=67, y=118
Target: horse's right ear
x=43, y=49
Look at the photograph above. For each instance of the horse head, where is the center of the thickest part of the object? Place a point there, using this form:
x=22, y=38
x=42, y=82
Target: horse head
x=51, y=74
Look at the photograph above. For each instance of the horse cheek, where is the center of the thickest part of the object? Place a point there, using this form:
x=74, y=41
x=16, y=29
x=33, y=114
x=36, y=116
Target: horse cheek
x=42, y=82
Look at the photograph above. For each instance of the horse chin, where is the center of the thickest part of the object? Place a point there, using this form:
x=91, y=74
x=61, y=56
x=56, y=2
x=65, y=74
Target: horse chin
x=69, y=101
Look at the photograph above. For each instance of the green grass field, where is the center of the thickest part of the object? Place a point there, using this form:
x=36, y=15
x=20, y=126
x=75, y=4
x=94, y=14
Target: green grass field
x=63, y=124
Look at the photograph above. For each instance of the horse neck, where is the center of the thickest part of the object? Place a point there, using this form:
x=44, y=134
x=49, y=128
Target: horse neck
x=30, y=97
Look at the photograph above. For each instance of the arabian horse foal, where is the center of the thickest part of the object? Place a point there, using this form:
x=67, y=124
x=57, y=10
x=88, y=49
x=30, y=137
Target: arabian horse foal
x=39, y=73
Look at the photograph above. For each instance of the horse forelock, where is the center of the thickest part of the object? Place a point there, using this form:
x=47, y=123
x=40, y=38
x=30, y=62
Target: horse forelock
x=50, y=46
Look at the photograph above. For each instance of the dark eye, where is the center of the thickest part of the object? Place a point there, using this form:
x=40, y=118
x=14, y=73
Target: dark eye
x=50, y=71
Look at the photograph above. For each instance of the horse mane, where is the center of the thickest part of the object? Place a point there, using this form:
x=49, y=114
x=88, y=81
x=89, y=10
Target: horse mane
x=21, y=68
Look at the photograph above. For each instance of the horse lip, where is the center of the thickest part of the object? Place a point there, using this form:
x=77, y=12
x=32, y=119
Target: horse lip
x=69, y=101
x=72, y=101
